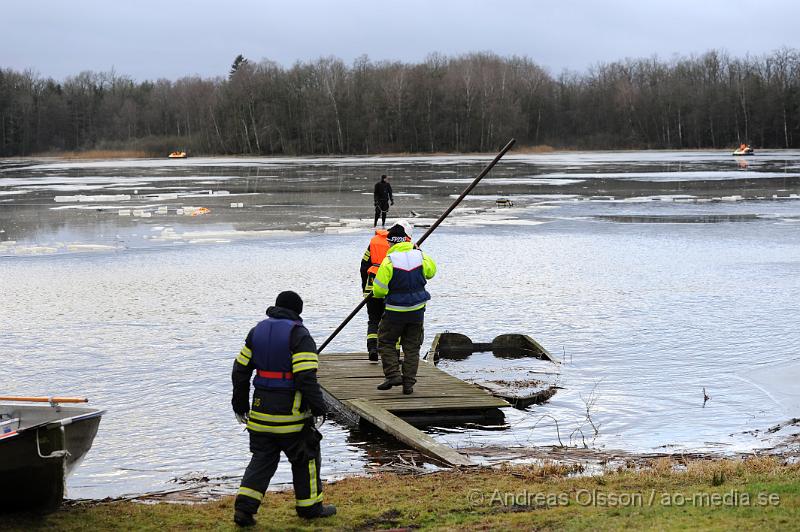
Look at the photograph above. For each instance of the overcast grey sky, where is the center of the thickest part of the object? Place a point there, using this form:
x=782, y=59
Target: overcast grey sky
x=149, y=39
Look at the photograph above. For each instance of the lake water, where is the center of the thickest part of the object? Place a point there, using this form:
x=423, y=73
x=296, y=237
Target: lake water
x=110, y=288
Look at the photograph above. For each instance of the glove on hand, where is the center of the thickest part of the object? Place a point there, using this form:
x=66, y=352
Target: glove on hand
x=241, y=418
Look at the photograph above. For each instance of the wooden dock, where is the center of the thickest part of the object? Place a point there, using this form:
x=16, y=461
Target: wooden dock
x=349, y=383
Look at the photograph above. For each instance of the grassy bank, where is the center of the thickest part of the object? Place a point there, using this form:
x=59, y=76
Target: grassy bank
x=723, y=495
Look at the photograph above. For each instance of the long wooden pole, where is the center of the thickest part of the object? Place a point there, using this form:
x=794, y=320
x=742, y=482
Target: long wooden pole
x=44, y=399
x=426, y=235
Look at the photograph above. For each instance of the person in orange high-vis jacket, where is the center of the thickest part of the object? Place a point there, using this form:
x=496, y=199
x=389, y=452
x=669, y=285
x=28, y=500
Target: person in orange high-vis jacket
x=376, y=252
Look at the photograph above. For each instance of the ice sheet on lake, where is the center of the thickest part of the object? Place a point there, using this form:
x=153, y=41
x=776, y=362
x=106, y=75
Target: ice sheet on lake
x=397, y=194
x=573, y=159
x=778, y=383
x=540, y=180
x=345, y=225
x=584, y=159
x=66, y=188
x=116, y=181
x=646, y=199
x=543, y=197
x=672, y=176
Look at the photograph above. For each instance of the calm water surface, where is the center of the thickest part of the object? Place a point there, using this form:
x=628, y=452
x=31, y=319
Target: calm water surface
x=144, y=311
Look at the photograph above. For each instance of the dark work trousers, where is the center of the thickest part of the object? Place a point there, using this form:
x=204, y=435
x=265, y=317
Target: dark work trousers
x=375, y=308
x=410, y=335
x=304, y=454
x=381, y=209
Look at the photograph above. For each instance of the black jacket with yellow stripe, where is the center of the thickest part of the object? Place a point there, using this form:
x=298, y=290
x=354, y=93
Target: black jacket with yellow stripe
x=277, y=411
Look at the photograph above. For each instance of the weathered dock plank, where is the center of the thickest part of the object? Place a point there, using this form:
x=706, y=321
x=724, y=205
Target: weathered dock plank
x=406, y=433
x=349, y=384
x=350, y=376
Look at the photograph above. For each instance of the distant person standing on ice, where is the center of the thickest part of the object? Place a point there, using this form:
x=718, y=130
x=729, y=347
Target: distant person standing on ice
x=383, y=198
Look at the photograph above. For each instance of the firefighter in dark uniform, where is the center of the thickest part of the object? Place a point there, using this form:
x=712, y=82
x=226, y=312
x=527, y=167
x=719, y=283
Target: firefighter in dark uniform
x=382, y=196
x=401, y=279
x=286, y=398
x=376, y=251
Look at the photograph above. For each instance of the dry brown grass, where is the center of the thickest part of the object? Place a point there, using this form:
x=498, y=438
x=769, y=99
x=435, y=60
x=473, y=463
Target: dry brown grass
x=466, y=500
x=547, y=469
x=539, y=148
x=767, y=465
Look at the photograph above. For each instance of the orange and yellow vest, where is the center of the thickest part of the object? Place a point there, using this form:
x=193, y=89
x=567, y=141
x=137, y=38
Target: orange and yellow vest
x=378, y=247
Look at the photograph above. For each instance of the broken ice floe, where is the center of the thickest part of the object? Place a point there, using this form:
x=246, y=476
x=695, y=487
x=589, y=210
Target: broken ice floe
x=11, y=247
x=220, y=236
x=98, y=197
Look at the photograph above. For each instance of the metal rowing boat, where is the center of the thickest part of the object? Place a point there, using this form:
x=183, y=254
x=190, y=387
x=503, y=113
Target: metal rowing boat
x=39, y=447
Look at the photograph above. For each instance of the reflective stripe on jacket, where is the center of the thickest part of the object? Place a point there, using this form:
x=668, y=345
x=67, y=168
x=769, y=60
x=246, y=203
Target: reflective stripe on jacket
x=279, y=423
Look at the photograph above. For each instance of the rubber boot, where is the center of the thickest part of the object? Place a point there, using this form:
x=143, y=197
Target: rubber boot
x=317, y=511
x=372, y=349
x=243, y=518
x=388, y=383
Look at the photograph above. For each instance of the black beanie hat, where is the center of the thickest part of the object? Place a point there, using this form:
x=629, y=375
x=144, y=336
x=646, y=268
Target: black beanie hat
x=396, y=234
x=290, y=300
x=399, y=232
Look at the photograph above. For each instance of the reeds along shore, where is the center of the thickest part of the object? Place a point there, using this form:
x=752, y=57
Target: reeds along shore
x=464, y=104
x=666, y=494
x=141, y=154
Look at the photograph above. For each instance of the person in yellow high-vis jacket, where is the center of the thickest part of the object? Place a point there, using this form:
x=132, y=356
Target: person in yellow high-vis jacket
x=401, y=280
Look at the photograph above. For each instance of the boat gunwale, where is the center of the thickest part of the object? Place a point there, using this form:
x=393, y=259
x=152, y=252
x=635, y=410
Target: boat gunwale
x=70, y=419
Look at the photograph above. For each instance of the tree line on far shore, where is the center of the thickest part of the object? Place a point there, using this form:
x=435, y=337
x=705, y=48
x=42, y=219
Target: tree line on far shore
x=474, y=102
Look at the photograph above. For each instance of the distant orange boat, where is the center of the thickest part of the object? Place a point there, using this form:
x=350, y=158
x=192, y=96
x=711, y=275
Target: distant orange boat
x=177, y=155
